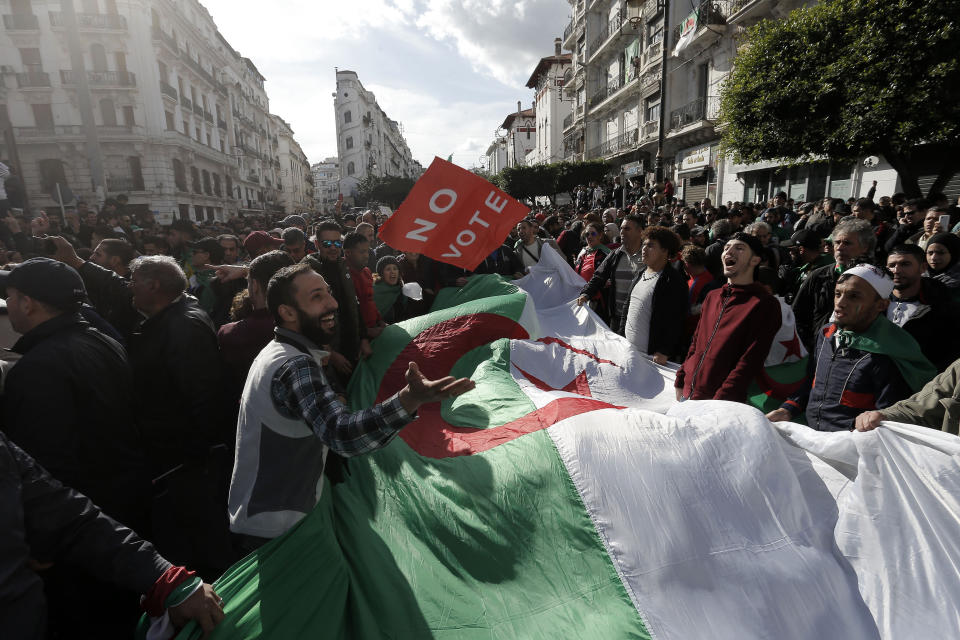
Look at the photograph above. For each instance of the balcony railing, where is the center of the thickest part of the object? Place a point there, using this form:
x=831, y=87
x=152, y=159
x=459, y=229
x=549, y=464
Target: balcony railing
x=649, y=79
x=124, y=184
x=649, y=130
x=59, y=131
x=566, y=32
x=706, y=108
x=33, y=79
x=623, y=142
x=21, y=22
x=609, y=29
x=197, y=110
x=650, y=9
x=185, y=103
x=568, y=121
x=91, y=21
x=221, y=124
x=208, y=116
x=708, y=12
x=605, y=92
x=101, y=78
x=168, y=91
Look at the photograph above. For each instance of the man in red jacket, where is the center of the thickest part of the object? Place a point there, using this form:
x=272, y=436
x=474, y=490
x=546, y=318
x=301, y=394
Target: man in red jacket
x=737, y=325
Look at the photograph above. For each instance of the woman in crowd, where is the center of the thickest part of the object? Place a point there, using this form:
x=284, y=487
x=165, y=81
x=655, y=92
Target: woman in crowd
x=392, y=303
x=943, y=261
x=594, y=250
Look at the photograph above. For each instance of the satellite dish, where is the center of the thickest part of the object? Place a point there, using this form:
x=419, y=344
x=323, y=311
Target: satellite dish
x=871, y=161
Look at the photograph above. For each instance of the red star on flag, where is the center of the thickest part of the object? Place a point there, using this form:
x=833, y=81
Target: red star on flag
x=792, y=346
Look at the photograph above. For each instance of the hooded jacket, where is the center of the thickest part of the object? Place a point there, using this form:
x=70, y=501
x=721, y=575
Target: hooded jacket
x=737, y=326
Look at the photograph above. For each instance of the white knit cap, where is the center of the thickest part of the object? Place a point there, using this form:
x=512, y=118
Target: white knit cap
x=875, y=277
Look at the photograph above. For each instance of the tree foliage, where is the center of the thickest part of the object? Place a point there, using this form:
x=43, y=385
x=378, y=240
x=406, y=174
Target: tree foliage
x=849, y=78
x=528, y=182
x=388, y=190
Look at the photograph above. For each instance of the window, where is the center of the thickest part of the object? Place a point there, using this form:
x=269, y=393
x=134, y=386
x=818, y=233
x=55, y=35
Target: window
x=31, y=60
x=347, y=117
x=195, y=180
x=206, y=182
x=351, y=169
x=121, y=59
x=216, y=185
x=51, y=174
x=198, y=213
x=98, y=56
x=348, y=143
x=108, y=113
x=184, y=211
x=229, y=190
x=136, y=173
x=42, y=115
x=128, y=116
x=171, y=125
x=179, y=175
x=652, y=109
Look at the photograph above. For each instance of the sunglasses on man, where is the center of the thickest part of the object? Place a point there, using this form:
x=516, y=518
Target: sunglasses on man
x=326, y=244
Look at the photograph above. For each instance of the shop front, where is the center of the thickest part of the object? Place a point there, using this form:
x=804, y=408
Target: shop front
x=696, y=178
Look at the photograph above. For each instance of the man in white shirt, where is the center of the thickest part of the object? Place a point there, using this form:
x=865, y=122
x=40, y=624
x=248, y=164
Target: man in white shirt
x=529, y=246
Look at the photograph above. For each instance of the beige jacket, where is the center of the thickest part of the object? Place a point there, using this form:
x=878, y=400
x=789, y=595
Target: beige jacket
x=937, y=405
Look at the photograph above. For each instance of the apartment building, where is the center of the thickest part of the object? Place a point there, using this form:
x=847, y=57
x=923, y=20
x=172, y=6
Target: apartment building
x=141, y=97
x=368, y=142
x=551, y=108
x=295, y=182
x=326, y=180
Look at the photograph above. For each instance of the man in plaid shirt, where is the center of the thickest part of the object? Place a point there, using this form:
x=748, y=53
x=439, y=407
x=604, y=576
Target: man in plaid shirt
x=290, y=417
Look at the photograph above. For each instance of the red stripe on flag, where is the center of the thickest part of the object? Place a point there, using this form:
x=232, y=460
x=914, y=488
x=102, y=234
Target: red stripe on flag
x=592, y=356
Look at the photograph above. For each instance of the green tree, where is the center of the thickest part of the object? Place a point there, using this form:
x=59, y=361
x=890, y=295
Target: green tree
x=547, y=180
x=388, y=190
x=849, y=78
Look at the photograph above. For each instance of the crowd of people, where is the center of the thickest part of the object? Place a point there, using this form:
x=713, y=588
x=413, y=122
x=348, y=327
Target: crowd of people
x=187, y=382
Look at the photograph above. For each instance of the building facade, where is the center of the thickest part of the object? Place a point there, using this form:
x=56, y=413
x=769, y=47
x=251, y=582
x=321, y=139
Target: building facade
x=551, y=106
x=326, y=184
x=141, y=97
x=519, y=138
x=295, y=182
x=368, y=142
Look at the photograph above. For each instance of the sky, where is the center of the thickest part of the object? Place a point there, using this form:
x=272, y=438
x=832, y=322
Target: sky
x=449, y=71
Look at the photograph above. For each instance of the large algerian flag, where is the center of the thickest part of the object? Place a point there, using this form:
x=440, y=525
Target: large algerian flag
x=569, y=496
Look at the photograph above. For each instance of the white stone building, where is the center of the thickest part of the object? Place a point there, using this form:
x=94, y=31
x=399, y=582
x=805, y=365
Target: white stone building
x=520, y=136
x=496, y=155
x=552, y=108
x=368, y=142
x=142, y=97
x=326, y=181
x=295, y=183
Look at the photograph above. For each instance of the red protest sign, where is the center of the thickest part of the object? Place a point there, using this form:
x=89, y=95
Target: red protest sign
x=452, y=215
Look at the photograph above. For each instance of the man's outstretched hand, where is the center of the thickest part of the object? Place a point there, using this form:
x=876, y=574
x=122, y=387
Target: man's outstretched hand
x=420, y=391
x=203, y=607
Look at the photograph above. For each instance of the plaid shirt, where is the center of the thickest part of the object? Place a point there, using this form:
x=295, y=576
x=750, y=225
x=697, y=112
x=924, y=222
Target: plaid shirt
x=300, y=390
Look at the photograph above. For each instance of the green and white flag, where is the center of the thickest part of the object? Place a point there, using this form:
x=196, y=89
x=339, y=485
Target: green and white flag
x=570, y=496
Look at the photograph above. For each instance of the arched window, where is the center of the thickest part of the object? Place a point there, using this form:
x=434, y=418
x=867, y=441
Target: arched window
x=347, y=117
x=351, y=169
x=206, y=182
x=348, y=143
x=195, y=180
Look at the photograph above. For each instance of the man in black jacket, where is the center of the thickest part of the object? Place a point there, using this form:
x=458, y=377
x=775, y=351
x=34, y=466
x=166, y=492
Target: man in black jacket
x=46, y=523
x=618, y=270
x=655, y=313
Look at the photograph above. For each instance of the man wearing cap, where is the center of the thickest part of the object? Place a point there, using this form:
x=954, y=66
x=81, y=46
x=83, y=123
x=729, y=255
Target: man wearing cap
x=68, y=403
x=862, y=361
x=258, y=243
x=806, y=251
x=737, y=325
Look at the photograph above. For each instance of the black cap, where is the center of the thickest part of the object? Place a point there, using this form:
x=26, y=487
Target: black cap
x=48, y=281
x=211, y=246
x=807, y=238
x=183, y=225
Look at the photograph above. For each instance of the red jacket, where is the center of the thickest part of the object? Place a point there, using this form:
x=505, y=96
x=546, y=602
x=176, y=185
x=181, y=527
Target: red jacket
x=737, y=326
x=363, y=284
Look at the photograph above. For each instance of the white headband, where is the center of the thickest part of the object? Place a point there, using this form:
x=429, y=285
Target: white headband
x=881, y=282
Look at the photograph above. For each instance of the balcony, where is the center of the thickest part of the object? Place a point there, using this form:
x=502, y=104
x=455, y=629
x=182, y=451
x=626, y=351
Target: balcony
x=568, y=121
x=608, y=33
x=197, y=110
x=653, y=53
x=33, y=80
x=159, y=35
x=119, y=130
x=649, y=131
x=566, y=32
x=100, y=79
x=651, y=8
x=168, y=92
x=21, y=22
x=747, y=11
x=91, y=21
x=208, y=116
x=122, y=184
x=626, y=141
x=701, y=109
x=709, y=13
x=59, y=132
x=221, y=124
x=185, y=103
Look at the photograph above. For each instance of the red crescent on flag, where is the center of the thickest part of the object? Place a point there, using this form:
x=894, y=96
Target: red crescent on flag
x=436, y=350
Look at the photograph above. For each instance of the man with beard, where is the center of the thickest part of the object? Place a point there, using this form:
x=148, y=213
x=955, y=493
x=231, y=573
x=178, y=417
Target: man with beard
x=290, y=418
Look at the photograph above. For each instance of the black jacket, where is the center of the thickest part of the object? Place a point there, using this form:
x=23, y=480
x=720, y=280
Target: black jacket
x=178, y=378
x=845, y=383
x=350, y=327
x=813, y=304
x=68, y=402
x=110, y=295
x=670, y=306
x=607, y=273
x=934, y=324
x=46, y=521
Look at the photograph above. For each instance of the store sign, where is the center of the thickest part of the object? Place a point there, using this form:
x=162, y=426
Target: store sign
x=695, y=159
x=632, y=168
